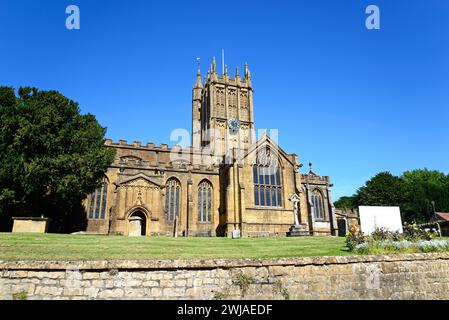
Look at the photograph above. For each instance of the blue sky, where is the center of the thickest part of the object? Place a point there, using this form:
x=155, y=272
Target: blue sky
x=351, y=100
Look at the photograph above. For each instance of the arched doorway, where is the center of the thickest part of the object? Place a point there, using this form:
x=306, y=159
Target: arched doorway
x=137, y=224
x=342, y=230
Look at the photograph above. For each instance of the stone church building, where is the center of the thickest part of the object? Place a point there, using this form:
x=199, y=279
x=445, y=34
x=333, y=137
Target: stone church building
x=226, y=183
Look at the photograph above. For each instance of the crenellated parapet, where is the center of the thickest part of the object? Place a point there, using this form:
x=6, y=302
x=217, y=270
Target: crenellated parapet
x=137, y=156
x=314, y=178
x=147, y=146
x=226, y=78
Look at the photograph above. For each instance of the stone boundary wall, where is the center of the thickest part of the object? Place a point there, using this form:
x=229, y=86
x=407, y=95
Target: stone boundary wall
x=408, y=276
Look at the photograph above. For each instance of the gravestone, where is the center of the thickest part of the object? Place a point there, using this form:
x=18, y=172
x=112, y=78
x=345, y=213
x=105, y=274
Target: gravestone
x=135, y=227
x=30, y=224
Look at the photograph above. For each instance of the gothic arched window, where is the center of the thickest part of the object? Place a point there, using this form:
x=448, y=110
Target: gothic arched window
x=267, y=180
x=205, y=202
x=172, y=196
x=317, y=200
x=98, y=202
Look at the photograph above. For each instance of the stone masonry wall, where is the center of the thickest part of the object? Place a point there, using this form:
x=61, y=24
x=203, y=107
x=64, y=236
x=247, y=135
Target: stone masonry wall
x=411, y=276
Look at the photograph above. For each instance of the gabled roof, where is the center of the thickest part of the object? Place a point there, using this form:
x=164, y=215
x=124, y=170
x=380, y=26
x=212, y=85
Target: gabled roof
x=140, y=176
x=442, y=215
x=265, y=140
x=311, y=174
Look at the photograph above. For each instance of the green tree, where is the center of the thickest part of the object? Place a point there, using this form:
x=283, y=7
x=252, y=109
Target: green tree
x=384, y=189
x=347, y=202
x=51, y=156
x=426, y=191
x=418, y=193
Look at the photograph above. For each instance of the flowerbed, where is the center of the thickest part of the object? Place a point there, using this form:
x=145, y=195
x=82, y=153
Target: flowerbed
x=382, y=241
x=403, y=246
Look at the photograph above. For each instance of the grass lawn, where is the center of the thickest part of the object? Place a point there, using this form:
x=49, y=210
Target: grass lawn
x=16, y=246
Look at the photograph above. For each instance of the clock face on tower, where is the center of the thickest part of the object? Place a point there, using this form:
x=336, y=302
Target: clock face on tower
x=234, y=125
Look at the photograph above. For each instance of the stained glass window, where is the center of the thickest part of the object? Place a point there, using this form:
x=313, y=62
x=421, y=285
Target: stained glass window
x=267, y=180
x=317, y=200
x=98, y=202
x=205, y=202
x=172, y=199
x=103, y=202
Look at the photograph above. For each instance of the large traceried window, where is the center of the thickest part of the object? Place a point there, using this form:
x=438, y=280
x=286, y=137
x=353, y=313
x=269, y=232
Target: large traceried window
x=317, y=200
x=267, y=180
x=172, y=199
x=98, y=202
x=205, y=202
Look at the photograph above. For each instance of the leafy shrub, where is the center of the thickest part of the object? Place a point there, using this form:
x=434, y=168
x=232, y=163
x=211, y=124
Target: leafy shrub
x=22, y=295
x=381, y=234
x=413, y=233
x=243, y=281
x=354, y=238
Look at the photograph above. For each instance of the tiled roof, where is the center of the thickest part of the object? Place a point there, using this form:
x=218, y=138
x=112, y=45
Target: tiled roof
x=443, y=215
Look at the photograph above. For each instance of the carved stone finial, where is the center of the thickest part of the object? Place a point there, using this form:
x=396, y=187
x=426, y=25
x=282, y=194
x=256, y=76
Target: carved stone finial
x=198, y=83
x=214, y=64
x=139, y=198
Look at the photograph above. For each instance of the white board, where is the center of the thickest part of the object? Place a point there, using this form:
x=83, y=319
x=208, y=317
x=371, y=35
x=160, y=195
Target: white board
x=380, y=217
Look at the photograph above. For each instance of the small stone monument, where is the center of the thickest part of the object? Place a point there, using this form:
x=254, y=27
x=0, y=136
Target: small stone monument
x=30, y=224
x=135, y=227
x=297, y=229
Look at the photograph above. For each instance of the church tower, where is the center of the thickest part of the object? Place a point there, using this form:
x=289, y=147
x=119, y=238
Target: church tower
x=222, y=115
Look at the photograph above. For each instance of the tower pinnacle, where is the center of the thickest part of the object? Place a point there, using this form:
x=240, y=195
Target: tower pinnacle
x=214, y=65
x=247, y=73
x=198, y=83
